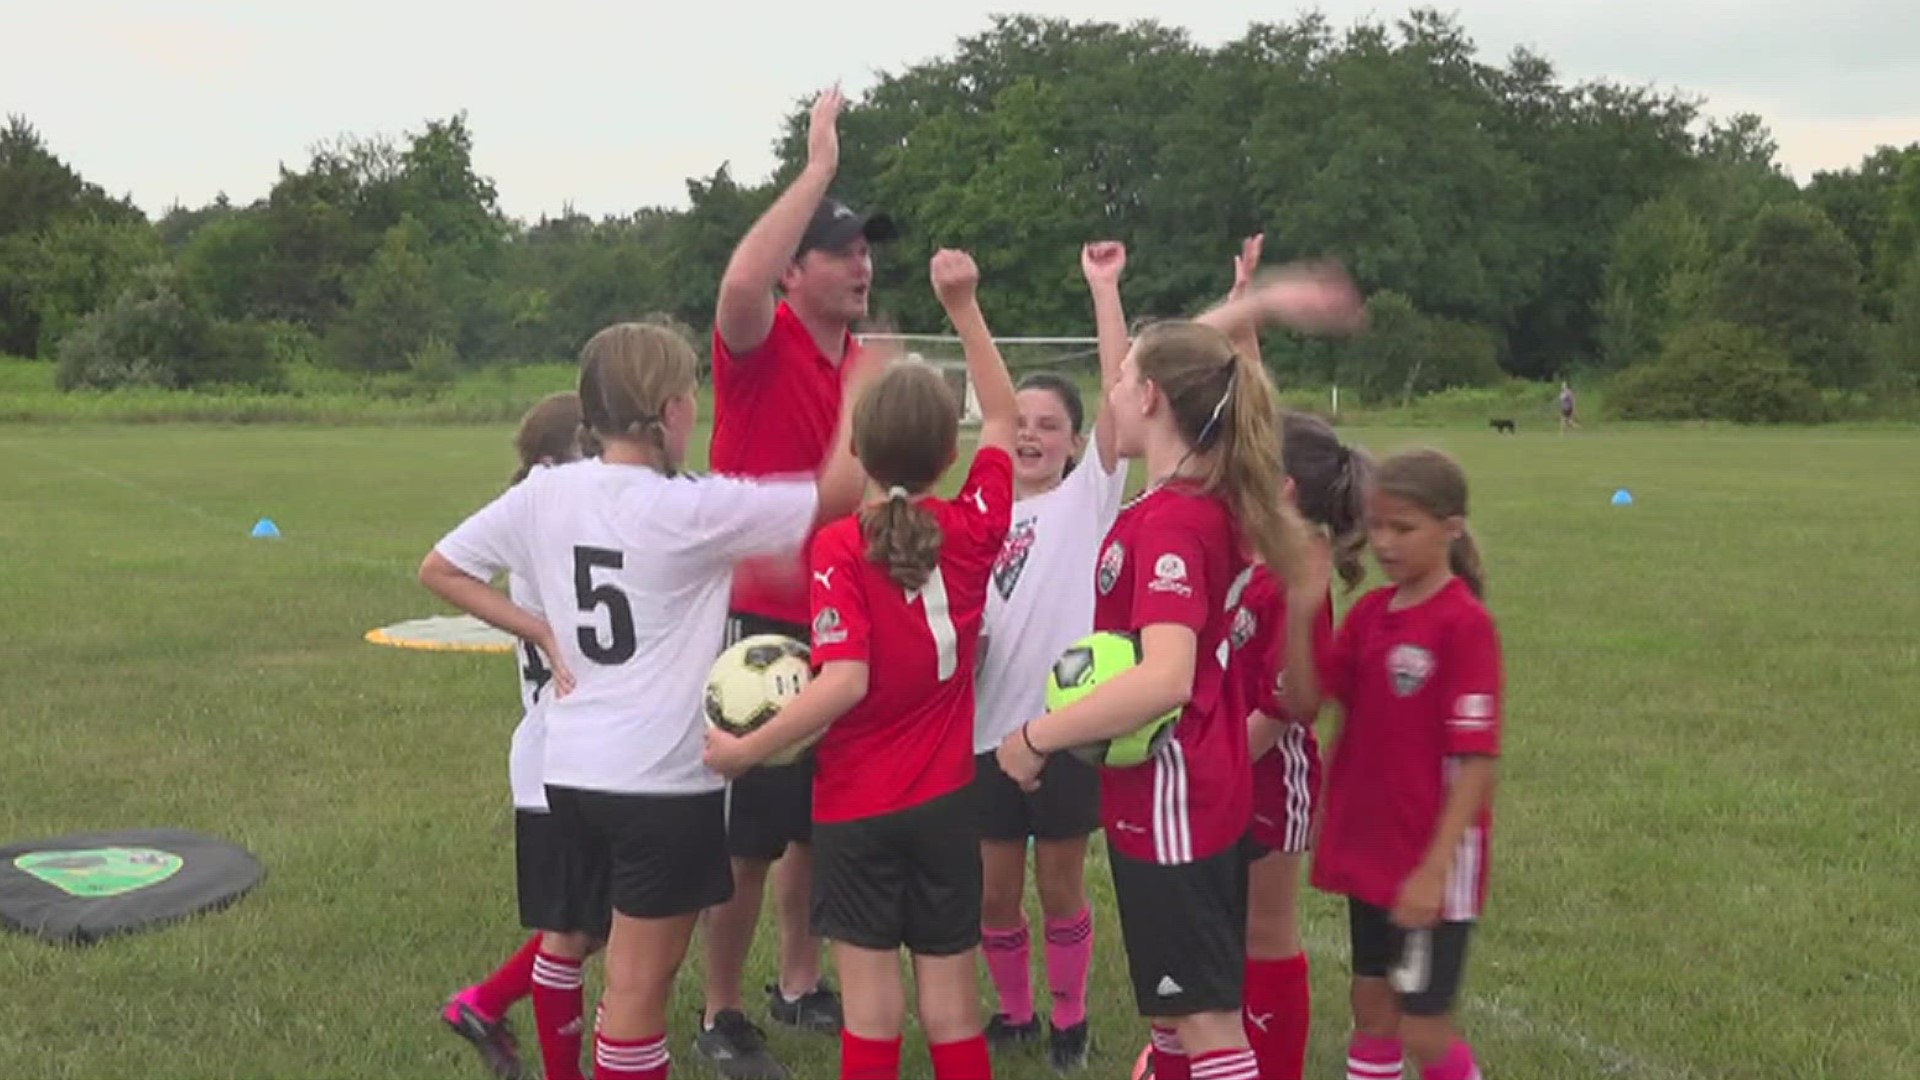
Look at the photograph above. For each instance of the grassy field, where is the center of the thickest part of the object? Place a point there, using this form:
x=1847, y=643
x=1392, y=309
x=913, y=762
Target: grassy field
x=1709, y=838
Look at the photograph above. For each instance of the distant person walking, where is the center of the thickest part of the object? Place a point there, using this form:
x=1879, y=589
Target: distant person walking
x=1567, y=417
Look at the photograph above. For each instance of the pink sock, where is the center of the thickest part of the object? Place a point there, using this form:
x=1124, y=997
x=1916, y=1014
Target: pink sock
x=558, y=1002
x=1069, y=960
x=1457, y=1065
x=513, y=981
x=634, y=1059
x=1170, y=1060
x=1009, y=962
x=1225, y=1065
x=1370, y=1057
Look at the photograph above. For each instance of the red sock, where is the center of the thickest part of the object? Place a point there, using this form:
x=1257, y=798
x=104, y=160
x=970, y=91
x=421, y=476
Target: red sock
x=513, y=981
x=868, y=1059
x=963, y=1060
x=1278, y=1013
x=558, y=1002
x=634, y=1059
x=1169, y=1057
x=1226, y=1065
x=1069, y=960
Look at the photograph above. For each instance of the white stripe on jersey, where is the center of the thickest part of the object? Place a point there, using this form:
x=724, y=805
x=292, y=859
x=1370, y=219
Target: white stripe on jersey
x=1293, y=748
x=1172, y=823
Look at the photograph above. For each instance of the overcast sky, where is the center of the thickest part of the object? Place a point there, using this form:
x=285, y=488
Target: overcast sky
x=610, y=106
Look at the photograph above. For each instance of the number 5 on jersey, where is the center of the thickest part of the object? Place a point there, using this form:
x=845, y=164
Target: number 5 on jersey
x=592, y=595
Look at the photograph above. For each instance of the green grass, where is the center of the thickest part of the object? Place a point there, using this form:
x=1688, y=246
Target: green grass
x=1708, y=841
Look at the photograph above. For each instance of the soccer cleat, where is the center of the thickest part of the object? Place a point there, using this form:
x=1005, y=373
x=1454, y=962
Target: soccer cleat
x=1002, y=1032
x=737, y=1050
x=492, y=1038
x=1067, y=1047
x=817, y=1010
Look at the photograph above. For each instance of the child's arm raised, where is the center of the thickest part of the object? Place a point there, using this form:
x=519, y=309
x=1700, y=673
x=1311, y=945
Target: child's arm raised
x=956, y=281
x=1312, y=298
x=1103, y=263
x=1246, y=337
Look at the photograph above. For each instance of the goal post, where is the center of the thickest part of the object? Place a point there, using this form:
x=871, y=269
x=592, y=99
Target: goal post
x=1076, y=358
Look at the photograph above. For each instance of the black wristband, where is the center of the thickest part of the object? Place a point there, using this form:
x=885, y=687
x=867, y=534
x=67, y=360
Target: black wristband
x=1028, y=739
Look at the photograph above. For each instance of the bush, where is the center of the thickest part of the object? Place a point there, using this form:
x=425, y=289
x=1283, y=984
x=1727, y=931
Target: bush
x=434, y=365
x=1717, y=371
x=157, y=333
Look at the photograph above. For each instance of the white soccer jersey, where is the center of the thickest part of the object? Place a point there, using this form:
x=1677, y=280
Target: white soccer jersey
x=527, y=756
x=633, y=569
x=1041, y=597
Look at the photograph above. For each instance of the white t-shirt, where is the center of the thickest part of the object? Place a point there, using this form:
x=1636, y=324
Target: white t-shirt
x=527, y=757
x=634, y=570
x=1041, y=596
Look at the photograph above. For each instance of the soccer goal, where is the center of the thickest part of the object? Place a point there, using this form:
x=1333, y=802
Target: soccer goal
x=1075, y=357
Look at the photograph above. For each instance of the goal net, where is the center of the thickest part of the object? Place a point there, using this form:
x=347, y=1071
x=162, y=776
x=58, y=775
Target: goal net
x=1076, y=358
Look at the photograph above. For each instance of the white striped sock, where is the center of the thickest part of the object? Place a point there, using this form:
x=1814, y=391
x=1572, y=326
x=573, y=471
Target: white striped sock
x=1227, y=1065
x=1373, y=1070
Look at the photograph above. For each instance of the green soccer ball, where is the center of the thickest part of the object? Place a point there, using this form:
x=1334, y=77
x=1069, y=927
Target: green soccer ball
x=1086, y=664
x=752, y=680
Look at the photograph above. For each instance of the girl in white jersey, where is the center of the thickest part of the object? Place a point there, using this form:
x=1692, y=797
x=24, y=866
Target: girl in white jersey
x=547, y=967
x=633, y=563
x=1039, y=603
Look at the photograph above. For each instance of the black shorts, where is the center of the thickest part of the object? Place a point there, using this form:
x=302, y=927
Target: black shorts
x=1067, y=806
x=771, y=806
x=907, y=878
x=646, y=856
x=555, y=894
x=1425, y=966
x=1185, y=931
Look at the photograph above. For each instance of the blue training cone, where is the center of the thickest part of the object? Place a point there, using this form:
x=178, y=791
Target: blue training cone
x=1623, y=497
x=265, y=529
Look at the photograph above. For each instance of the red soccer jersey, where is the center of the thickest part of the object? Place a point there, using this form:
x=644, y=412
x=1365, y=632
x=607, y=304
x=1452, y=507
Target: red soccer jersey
x=1171, y=558
x=774, y=413
x=1286, y=779
x=1259, y=639
x=911, y=738
x=1420, y=687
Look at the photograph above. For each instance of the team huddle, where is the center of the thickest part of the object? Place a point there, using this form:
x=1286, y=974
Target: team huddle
x=896, y=799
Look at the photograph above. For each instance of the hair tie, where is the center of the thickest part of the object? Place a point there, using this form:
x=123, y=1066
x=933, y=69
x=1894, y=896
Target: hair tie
x=898, y=492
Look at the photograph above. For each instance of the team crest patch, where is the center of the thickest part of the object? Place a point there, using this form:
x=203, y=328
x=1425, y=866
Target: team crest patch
x=1111, y=561
x=827, y=628
x=1013, y=558
x=1245, y=623
x=1170, y=575
x=1410, y=666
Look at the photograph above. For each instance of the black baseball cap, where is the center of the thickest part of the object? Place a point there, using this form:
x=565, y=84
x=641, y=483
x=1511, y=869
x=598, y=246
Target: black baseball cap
x=835, y=225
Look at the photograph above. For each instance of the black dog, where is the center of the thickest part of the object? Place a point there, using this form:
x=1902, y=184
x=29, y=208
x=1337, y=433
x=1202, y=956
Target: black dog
x=1507, y=426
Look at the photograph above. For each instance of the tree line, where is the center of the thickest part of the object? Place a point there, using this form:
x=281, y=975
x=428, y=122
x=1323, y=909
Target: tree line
x=1505, y=222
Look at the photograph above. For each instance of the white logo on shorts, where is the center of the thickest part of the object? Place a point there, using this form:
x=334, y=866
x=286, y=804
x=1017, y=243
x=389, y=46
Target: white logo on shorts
x=1167, y=987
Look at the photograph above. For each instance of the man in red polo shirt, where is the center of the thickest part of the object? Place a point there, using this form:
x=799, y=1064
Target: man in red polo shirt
x=777, y=373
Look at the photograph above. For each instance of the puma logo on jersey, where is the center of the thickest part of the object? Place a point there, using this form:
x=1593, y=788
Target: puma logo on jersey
x=825, y=577
x=979, y=500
